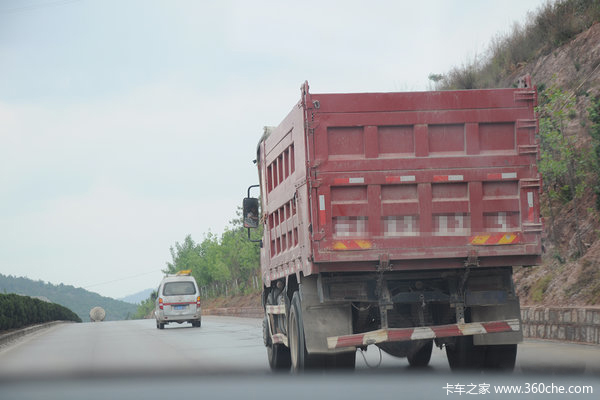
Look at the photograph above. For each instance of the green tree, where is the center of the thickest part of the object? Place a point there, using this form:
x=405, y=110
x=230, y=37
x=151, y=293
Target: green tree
x=230, y=261
x=205, y=260
x=594, y=117
x=145, y=308
x=241, y=255
x=184, y=256
x=564, y=165
x=212, y=267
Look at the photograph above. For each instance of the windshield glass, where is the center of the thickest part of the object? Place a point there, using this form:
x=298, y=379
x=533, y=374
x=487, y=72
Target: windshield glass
x=178, y=288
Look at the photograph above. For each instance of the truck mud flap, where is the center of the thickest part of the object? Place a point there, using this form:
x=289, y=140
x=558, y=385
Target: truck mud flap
x=418, y=333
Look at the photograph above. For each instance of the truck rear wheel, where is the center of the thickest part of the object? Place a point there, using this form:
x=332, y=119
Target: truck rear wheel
x=300, y=358
x=463, y=355
x=421, y=357
x=277, y=354
x=501, y=357
x=342, y=360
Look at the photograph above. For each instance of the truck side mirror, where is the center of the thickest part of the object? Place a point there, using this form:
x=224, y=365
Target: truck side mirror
x=250, y=212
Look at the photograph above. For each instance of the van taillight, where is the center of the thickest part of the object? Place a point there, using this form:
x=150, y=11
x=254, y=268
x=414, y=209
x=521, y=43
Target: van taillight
x=160, y=303
x=198, y=301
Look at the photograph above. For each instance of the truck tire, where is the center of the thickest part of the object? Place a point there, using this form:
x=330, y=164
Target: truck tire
x=463, y=355
x=277, y=354
x=396, y=349
x=300, y=358
x=420, y=358
x=501, y=357
x=342, y=361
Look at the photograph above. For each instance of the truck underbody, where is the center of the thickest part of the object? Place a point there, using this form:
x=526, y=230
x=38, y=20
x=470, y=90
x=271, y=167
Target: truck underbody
x=473, y=312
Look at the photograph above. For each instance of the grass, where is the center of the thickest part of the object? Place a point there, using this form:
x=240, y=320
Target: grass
x=538, y=290
x=588, y=283
x=545, y=30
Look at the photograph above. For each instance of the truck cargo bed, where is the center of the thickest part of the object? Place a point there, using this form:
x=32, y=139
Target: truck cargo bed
x=420, y=180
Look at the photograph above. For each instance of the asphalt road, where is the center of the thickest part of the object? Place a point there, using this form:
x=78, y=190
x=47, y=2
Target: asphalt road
x=225, y=358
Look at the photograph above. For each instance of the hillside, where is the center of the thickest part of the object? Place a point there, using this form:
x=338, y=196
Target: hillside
x=79, y=300
x=560, y=48
x=565, y=279
x=138, y=297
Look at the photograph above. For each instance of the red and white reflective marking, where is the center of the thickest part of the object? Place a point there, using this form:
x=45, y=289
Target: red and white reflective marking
x=322, y=214
x=530, y=205
x=448, y=178
x=280, y=338
x=400, y=179
x=504, y=175
x=426, y=332
x=496, y=239
x=279, y=309
x=342, y=181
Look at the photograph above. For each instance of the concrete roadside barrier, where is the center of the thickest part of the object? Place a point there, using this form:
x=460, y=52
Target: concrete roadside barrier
x=13, y=335
x=248, y=312
x=569, y=324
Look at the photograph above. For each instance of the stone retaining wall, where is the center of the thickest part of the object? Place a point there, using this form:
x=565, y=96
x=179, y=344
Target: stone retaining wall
x=247, y=312
x=580, y=325
x=570, y=324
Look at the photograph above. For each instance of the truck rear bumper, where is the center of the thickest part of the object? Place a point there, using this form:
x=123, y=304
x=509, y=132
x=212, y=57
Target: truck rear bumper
x=420, y=333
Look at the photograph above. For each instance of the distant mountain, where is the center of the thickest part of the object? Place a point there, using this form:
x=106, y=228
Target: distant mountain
x=79, y=300
x=138, y=297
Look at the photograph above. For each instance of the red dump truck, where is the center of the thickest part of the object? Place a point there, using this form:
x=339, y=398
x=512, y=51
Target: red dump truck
x=396, y=219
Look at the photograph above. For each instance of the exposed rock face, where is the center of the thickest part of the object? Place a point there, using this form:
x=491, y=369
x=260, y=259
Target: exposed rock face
x=565, y=279
x=570, y=64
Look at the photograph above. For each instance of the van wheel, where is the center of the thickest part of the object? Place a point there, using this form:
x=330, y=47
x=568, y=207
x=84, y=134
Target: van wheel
x=160, y=325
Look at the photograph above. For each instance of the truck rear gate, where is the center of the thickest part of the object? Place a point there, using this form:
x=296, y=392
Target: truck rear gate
x=424, y=176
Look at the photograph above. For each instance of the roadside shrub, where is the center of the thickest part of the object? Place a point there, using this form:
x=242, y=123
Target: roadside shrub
x=539, y=288
x=19, y=311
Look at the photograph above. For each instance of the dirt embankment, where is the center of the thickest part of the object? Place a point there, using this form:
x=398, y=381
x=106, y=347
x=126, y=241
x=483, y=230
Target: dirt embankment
x=565, y=278
x=248, y=300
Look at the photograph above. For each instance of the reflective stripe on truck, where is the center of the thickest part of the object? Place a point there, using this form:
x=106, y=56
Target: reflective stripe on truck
x=418, y=333
x=496, y=239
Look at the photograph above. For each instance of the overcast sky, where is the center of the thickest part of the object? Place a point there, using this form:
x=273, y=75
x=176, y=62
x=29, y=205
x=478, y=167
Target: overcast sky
x=126, y=125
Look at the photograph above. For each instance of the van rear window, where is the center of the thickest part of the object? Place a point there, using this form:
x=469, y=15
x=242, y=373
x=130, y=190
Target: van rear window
x=178, y=288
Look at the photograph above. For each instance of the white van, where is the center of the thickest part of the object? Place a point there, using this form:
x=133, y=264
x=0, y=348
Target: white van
x=178, y=300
